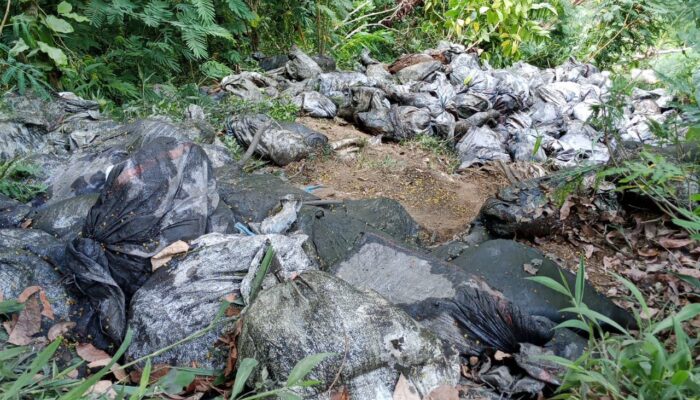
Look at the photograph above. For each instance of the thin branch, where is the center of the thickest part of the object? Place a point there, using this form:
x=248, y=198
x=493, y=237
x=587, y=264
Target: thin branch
x=4, y=18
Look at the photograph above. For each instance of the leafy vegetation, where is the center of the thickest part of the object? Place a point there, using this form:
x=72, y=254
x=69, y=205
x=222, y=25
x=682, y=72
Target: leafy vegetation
x=655, y=361
x=17, y=180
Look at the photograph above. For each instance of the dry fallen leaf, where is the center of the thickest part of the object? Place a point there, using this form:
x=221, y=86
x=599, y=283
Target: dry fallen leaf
x=443, y=392
x=165, y=255
x=340, y=394
x=500, y=356
x=26, y=223
x=590, y=249
x=90, y=353
x=119, y=373
x=648, y=315
x=47, y=310
x=103, y=388
x=694, y=272
x=404, y=390
x=60, y=329
x=671, y=243
x=28, y=323
x=565, y=209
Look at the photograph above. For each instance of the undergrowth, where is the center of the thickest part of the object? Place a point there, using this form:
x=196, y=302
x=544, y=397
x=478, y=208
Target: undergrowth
x=17, y=180
x=654, y=361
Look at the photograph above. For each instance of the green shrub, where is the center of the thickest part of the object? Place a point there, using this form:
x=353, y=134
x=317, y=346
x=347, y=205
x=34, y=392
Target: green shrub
x=656, y=361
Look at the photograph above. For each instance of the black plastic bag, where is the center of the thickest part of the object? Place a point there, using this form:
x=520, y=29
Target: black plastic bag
x=165, y=192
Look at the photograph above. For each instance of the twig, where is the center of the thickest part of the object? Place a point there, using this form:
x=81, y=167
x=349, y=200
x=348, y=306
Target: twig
x=4, y=18
x=342, y=363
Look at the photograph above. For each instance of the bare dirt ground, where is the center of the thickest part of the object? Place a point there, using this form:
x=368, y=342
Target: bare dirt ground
x=423, y=181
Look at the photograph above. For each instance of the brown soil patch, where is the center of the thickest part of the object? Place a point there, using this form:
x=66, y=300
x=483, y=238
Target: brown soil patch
x=441, y=201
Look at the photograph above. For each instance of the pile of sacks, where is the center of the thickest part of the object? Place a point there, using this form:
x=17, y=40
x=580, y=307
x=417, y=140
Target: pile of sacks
x=148, y=227
x=489, y=114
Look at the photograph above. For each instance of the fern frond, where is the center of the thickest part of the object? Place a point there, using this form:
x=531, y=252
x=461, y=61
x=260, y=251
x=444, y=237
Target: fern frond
x=205, y=10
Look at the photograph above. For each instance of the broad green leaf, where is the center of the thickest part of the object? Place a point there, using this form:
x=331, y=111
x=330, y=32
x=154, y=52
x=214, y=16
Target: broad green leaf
x=680, y=377
x=245, y=368
x=176, y=380
x=305, y=366
x=77, y=17
x=19, y=47
x=64, y=7
x=55, y=54
x=59, y=25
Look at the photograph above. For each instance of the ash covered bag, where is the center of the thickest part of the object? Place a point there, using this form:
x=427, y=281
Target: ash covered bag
x=163, y=193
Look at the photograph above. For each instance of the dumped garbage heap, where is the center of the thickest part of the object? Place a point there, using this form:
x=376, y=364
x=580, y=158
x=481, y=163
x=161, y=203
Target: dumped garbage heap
x=521, y=113
x=150, y=225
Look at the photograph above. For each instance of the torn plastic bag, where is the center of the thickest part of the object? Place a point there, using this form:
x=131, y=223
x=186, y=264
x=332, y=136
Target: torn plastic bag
x=334, y=84
x=584, y=110
x=418, y=72
x=183, y=297
x=315, y=105
x=334, y=230
x=522, y=146
x=320, y=313
x=547, y=118
x=85, y=173
x=458, y=307
x=300, y=66
x=63, y=219
x=443, y=125
x=461, y=66
x=419, y=100
x=510, y=278
x=409, y=122
x=163, y=193
x=560, y=93
x=254, y=197
x=250, y=86
x=475, y=81
x=363, y=99
x=580, y=146
x=466, y=104
x=512, y=92
x=518, y=120
x=282, y=143
x=282, y=220
x=12, y=212
x=440, y=87
x=479, y=146
x=475, y=121
x=30, y=257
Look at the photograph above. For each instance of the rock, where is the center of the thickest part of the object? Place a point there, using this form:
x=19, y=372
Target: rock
x=184, y=296
x=374, y=341
x=326, y=63
x=334, y=230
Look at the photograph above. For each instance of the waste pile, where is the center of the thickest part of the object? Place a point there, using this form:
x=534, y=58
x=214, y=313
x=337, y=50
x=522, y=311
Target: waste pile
x=520, y=113
x=148, y=226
